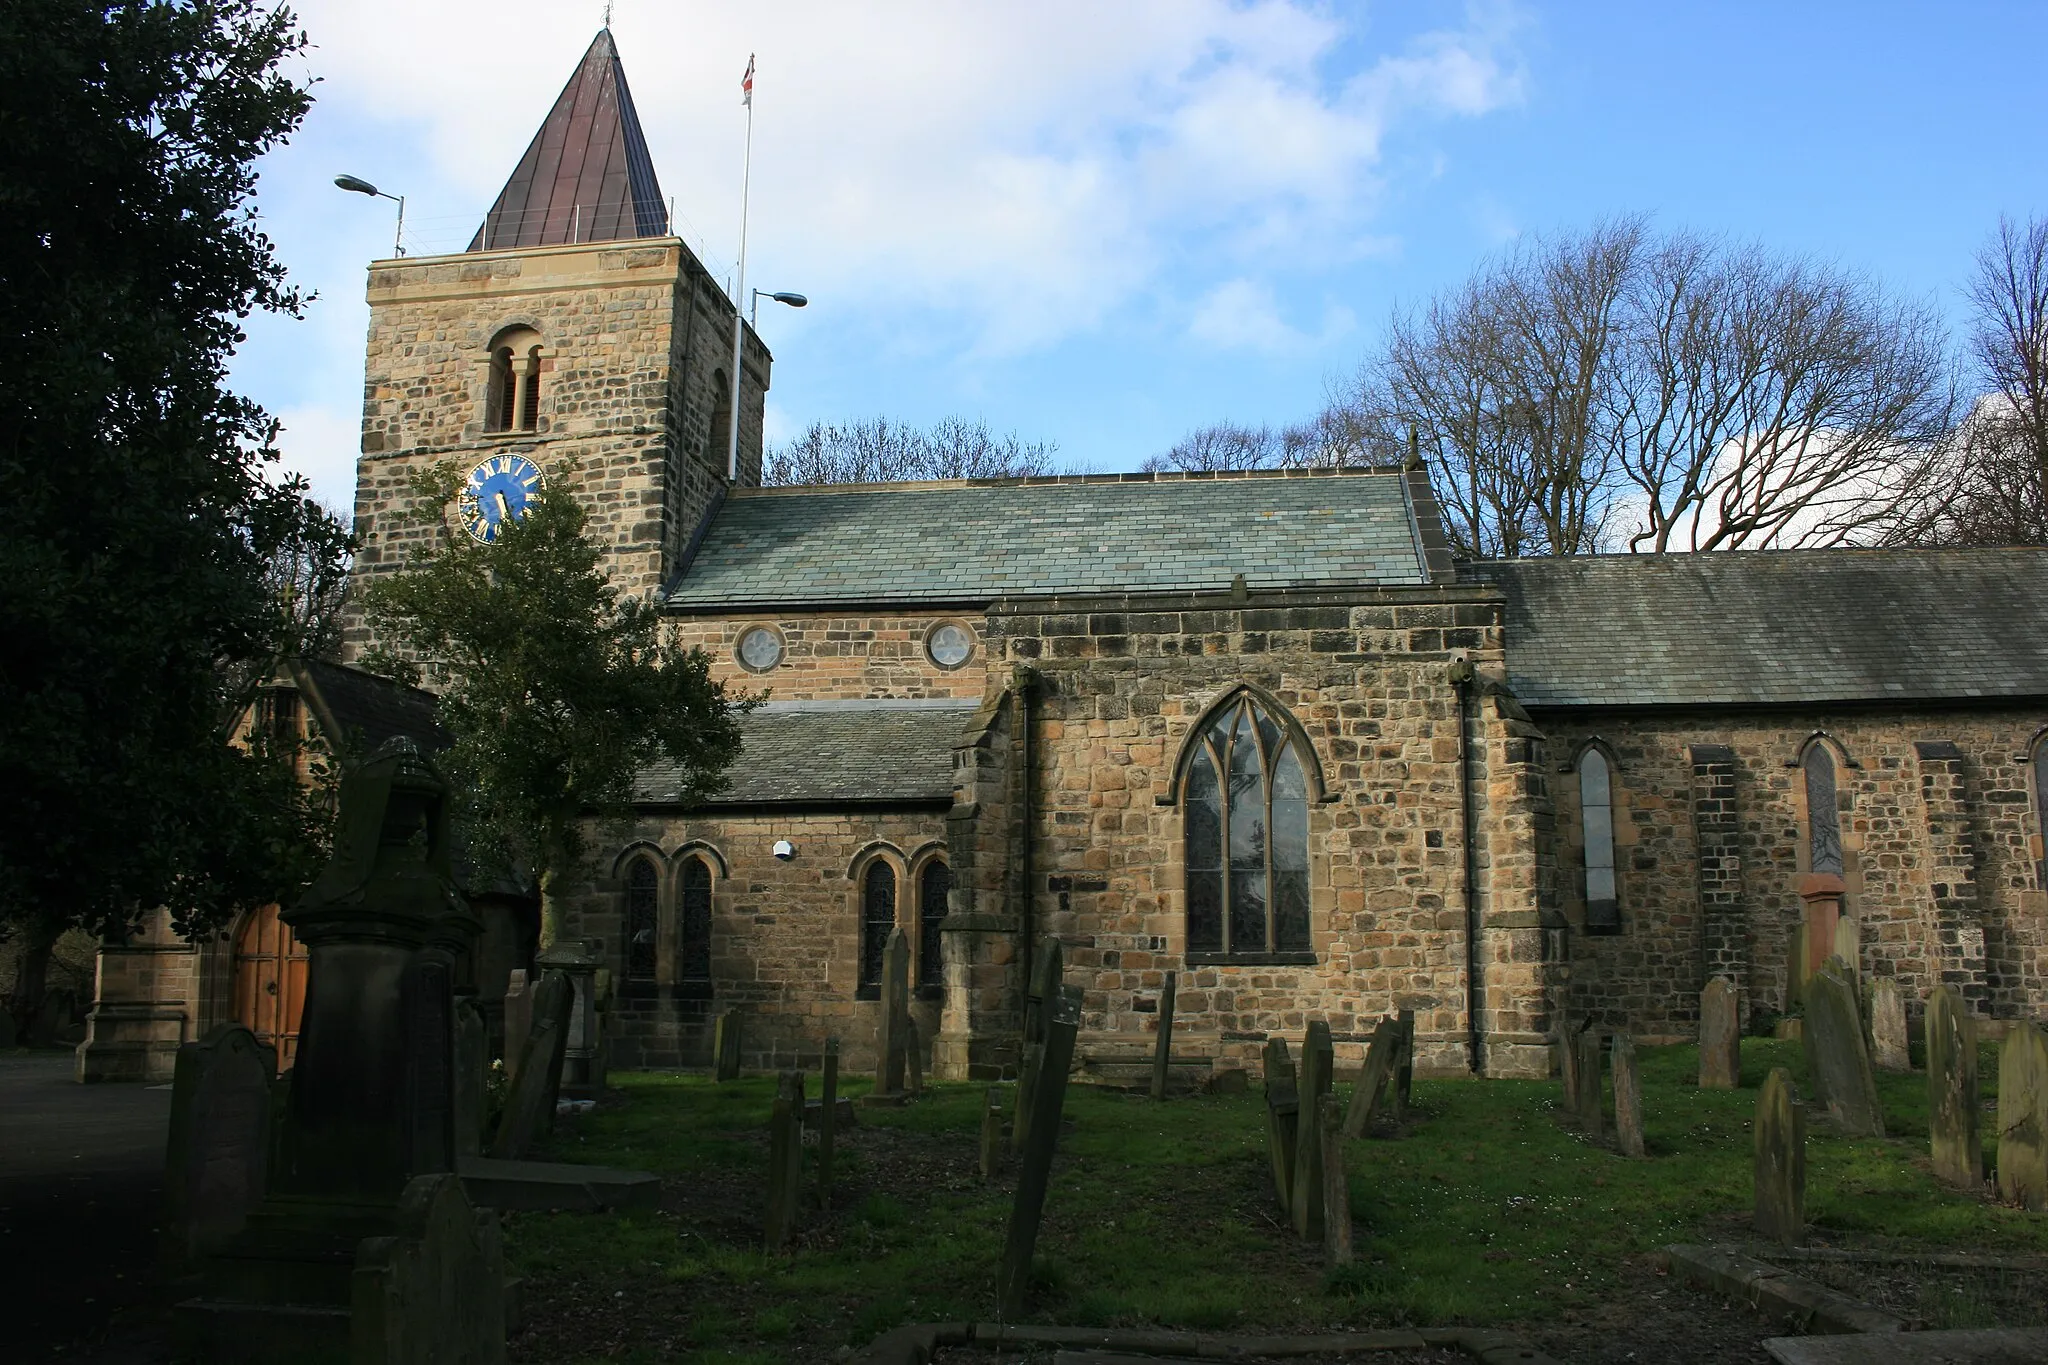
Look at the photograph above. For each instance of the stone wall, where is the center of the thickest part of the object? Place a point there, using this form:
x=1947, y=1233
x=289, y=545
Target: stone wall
x=854, y=655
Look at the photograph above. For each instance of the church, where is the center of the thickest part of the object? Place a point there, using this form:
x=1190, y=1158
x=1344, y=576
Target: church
x=1259, y=730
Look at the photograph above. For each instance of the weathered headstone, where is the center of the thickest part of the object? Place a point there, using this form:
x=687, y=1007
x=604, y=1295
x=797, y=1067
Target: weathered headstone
x=785, y=1159
x=1372, y=1082
x=1317, y=1062
x=1283, y=1110
x=1591, y=1109
x=1780, y=1135
x=1628, y=1096
x=518, y=1020
x=1888, y=1025
x=1042, y=999
x=530, y=1108
x=1848, y=946
x=1953, y=1120
x=913, y=1058
x=1032, y=1063
x=470, y=1064
x=1567, y=1044
x=435, y=1291
x=1162, y=1049
x=828, y=1121
x=1839, y=1061
x=894, y=1017
x=1336, y=1188
x=725, y=1046
x=219, y=1147
x=1720, y=1036
x=991, y=1132
x=1014, y=1276
x=2023, y=1118
x=1404, y=1067
x=583, y=1054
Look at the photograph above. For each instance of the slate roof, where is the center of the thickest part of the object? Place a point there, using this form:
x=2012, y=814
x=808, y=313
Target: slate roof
x=1769, y=627
x=978, y=540
x=586, y=176
x=369, y=709
x=807, y=753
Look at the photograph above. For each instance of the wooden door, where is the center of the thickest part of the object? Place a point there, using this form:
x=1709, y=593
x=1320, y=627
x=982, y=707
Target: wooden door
x=270, y=983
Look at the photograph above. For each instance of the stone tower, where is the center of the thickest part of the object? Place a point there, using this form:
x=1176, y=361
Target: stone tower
x=576, y=333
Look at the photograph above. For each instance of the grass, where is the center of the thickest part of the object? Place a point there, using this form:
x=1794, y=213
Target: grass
x=1486, y=1209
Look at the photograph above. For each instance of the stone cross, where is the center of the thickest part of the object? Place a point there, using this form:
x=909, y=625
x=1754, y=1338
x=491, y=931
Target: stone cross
x=1014, y=1276
x=1780, y=1136
x=219, y=1151
x=785, y=1159
x=1372, y=1082
x=1952, y=1102
x=1837, y=1059
x=530, y=1108
x=725, y=1046
x=1283, y=1107
x=1628, y=1096
x=1162, y=1050
x=1888, y=1025
x=2023, y=1118
x=889, y=1039
x=828, y=1121
x=1720, y=1036
x=1306, y=1189
x=1591, y=1106
x=1336, y=1188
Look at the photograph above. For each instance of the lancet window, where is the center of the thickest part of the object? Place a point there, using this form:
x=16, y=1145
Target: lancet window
x=1246, y=804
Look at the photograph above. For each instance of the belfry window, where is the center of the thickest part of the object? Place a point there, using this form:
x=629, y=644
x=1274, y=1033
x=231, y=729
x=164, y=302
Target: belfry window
x=694, y=921
x=1596, y=819
x=1823, y=817
x=933, y=885
x=877, y=919
x=642, y=914
x=1246, y=803
x=512, y=397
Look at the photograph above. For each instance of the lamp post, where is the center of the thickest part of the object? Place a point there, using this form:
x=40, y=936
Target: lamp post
x=754, y=305
x=732, y=448
x=357, y=185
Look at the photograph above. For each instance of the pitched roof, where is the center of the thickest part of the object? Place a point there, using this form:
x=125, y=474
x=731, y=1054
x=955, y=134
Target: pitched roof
x=1771, y=627
x=977, y=540
x=586, y=176
x=362, y=709
x=803, y=753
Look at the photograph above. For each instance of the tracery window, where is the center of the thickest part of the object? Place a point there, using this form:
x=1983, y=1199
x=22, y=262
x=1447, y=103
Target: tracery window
x=1596, y=819
x=694, y=922
x=642, y=913
x=1823, y=817
x=1246, y=803
x=877, y=918
x=932, y=887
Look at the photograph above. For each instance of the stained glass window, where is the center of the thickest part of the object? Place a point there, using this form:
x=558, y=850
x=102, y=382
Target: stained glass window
x=696, y=921
x=642, y=910
x=933, y=885
x=1246, y=813
x=1823, y=819
x=1596, y=816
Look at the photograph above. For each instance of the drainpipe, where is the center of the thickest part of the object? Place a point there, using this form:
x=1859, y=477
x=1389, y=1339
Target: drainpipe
x=1024, y=682
x=1461, y=677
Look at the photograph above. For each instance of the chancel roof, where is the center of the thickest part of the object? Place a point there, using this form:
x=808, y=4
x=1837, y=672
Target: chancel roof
x=586, y=176
x=879, y=752
x=979, y=540
x=1771, y=627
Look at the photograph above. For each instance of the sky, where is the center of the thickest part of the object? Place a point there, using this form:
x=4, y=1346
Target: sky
x=1102, y=225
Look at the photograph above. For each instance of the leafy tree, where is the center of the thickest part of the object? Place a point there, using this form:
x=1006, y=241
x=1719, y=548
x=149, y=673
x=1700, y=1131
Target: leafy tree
x=135, y=515
x=558, y=692
x=880, y=451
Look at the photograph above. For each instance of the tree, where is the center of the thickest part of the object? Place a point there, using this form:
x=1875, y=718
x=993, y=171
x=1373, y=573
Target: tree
x=1324, y=441
x=879, y=451
x=557, y=692
x=135, y=515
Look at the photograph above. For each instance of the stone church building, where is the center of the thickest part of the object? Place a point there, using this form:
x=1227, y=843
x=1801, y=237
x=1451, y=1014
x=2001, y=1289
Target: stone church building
x=1261, y=730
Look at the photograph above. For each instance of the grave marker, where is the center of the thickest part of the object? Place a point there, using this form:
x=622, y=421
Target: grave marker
x=1014, y=1277
x=1888, y=1025
x=913, y=1059
x=435, y=1291
x=1780, y=1171
x=1317, y=1061
x=219, y=1147
x=1953, y=1119
x=1283, y=1105
x=2023, y=1118
x=470, y=1066
x=1336, y=1189
x=895, y=1016
x=1568, y=1065
x=1628, y=1097
x=1839, y=1061
x=1372, y=1082
x=991, y=1132
x=1042, y=1000
x=1404, y=1067
x=518, y=1020
x=1162, y=1051
x=785, y=1159
x=530, y=1108
x=725, y=1046
x=828, y=1121
x=1720, y=1036
x=1591, y=1108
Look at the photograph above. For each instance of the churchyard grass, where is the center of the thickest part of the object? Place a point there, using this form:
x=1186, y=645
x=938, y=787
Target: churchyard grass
x=1487, y=1210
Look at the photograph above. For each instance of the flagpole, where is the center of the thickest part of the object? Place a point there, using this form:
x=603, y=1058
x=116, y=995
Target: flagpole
x=732, y=449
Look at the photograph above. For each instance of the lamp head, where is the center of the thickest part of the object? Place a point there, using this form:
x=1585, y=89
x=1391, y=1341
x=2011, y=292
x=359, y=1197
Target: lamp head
x=793, y=300
x=355, y=184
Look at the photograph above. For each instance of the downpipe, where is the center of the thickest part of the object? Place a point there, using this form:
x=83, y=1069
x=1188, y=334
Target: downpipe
x=1464, y=679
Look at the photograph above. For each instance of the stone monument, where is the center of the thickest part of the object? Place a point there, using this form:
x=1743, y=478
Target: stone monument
x=1952, y=1103
x=1888, y=1025
x=2023, y=1118
x=1780, y=1138
x=1838, y=1061
x=219, y=1146
x=1720, y=1036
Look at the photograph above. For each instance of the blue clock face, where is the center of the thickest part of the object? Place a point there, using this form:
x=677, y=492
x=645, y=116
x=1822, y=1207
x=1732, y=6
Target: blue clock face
x=497, y=491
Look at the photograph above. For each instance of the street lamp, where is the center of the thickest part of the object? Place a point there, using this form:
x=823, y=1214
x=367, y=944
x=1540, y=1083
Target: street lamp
x=357, y=185
x=732, y=445
x=754, y=306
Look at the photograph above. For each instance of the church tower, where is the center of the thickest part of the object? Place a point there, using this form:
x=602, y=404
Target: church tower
x=577, y=339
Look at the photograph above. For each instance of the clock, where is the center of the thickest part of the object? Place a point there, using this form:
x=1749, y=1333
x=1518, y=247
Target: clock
x=498, y=490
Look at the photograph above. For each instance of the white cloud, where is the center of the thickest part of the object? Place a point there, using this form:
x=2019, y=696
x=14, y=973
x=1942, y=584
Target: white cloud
x=1244, y=314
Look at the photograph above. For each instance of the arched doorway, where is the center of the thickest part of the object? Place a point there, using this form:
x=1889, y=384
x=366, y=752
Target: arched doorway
x=270, y=982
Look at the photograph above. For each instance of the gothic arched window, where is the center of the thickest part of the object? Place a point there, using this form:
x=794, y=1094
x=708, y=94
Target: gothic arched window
x=694, y=922
x=933, y=884
x=1823, y=818
x=877, y=918
x=1246, y=801
x=643, y=902
x=1596, y=819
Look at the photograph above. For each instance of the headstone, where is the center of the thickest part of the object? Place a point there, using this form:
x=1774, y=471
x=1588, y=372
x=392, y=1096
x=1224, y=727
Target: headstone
x=1591, y=1109
x=2023, y=1118
x=435, y=1291
x=219, y=1149
x=1336, y=1188
x=1404, y=1067
x=1839, y=1062
x=1780, y=1135
x=725, y=1046
x=1372, y=1082
x=828, y=1121
x=785, y=1159
x=991, y=1132
x=1027, y=1087
x=1283, y=1106
x=1952, y=1100
x=894, y=1017
x=1162, y=1050
x=518, y=1020
x=583, y=1055
x=1317, y=1062
x=1888, y=1025
x=1848, y=946
x=1720, y=1036
x=1568, y=1065
x=913, y=1058
x=1042, y=999
x=530, y=1108
x=1628, y=1097
x=469, y=1079
x=1014, y=1276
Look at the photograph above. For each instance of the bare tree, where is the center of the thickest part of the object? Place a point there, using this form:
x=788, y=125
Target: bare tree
x=881, y=451
x=1327, y=440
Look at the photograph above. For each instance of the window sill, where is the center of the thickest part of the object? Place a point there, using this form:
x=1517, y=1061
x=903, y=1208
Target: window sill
x=1251, y=959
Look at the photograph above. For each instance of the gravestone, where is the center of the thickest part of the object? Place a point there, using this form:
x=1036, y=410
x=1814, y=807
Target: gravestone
x=828, y=1121
x=2023, y=1118
x=219, y=1149
x=470, y=1066
x=1591, y=1109
x=1306, y=1189
x=530, y=1108
x=725, y=1046
x=1848, y=947
x=894, y=1017
x=1628, y=1096
x=518, y=1020
x=1372, y=1082
x=583, y=1047
x=1162, y=1050
x=1837, y=1058
x=1952, y=1101
x=434, y=1291
x=1028, y=1068
x=991, y=1132
x=913, y=1059
x=1042, y=999
x=1568, y=1065
x=1720, y=1036
x=1888, y=1025
x=785, y=1159
x=1404, y=1067
x=1780, y=1171
x=1336, y=1188
x=1014, y=1276
x=1283, y=1106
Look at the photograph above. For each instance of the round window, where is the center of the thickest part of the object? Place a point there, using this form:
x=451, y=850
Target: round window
x=760, y=649
x=949, y=645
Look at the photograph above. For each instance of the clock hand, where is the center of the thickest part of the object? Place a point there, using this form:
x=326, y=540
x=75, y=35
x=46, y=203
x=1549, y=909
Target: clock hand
x=504, y=508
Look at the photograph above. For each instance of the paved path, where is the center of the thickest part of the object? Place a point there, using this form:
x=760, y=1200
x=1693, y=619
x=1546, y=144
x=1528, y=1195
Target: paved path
x=81, y=1187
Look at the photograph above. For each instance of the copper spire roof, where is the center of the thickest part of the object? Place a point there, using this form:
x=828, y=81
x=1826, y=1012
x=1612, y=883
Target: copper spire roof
x=586, y=176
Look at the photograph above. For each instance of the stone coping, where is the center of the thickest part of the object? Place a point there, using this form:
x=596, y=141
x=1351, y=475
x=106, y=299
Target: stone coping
x=1775, y=1292
x=917, y=1343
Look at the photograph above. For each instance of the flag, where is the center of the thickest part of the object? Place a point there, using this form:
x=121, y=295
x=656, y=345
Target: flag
x=747, y=83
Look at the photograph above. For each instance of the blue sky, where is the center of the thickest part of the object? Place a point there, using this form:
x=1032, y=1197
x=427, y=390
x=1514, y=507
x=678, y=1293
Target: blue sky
x=1104, y=224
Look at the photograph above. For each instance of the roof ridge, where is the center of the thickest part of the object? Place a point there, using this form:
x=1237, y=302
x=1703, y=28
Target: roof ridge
x=1068, y=480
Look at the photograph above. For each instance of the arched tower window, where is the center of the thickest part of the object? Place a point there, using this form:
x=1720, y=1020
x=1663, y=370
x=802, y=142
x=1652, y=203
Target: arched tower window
x=694, y=921
x=720, y=435
x=933, y=884
x=877, y=918
x=1823, y=817
x=529, y=401
x=1246, y=803
x=512, y=398
x=643, y=904
x=498, y=413
x=1596, y=818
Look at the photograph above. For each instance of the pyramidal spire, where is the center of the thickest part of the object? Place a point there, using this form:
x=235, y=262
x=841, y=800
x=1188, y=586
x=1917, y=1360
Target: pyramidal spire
x=586, y=176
